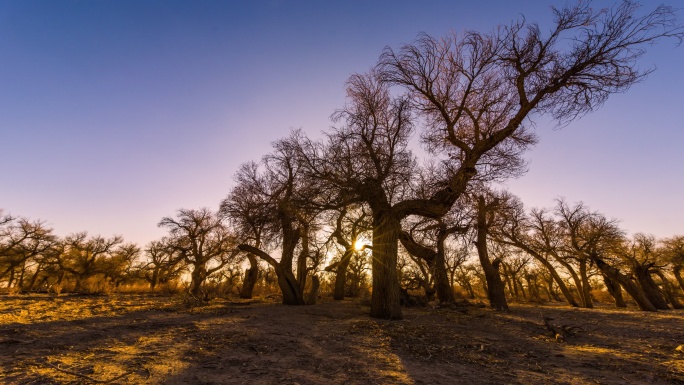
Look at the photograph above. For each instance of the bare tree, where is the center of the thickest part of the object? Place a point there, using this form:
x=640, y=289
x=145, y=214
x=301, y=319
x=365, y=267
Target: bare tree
x=203, y=241
x=163, y=263
x=84, y=255
x=282, y=194
x=247, y=208
x=479, y=92
x=348, y=228
x=22, y=242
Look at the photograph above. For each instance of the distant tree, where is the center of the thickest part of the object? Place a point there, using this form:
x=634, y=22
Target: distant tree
x=163, y=263
x=641, y=256
x=247, y=208
x=84, y=256
x=281, y=193
x=22, y=242
x=672, y=250
x=202, y=240
x=349, y=225
x=119, y=267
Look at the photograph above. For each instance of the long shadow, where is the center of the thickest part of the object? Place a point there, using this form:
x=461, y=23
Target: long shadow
x=130, y=339
x=337, y=343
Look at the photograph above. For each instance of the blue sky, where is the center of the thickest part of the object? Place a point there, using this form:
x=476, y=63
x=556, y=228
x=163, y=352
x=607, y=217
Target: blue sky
x=114, y=114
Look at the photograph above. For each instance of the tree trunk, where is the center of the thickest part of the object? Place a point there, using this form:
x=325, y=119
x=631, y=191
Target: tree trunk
x=677, y=271
x=650, y=288
x=289, y=286
x=385, y=292
x=11, y=278
x=445, y=291
x=303, y=256
x=34, y=278
x=251, y=277
x=552, y=270
x=341, y=276
x=615, y=291
x=198, y=275
x=585, y=290
x=495, y=287
x=630, y=287
x=313, y=294
x=155, y=278
x=668, y=291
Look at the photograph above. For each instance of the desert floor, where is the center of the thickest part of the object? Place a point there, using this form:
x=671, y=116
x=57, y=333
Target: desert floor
x=137, y=339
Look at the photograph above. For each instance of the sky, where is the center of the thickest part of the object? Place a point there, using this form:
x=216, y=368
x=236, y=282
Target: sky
x=114, y=114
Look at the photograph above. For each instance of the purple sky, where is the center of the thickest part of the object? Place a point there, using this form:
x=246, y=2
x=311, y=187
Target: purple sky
x=114, y=114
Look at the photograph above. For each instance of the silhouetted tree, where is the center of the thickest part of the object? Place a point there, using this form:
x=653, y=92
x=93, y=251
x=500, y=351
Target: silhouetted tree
x=84, y=256
x=203, y=241
x=478, y=93
x=163, y=264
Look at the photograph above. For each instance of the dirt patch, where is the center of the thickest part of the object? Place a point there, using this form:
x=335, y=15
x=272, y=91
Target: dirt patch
x=154, y=340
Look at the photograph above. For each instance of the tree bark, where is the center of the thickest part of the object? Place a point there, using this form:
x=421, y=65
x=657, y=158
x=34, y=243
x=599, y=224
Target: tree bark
x=385, y=293
x=630, y=287
x=341, y=276
x=495, y=287
x=677, y=271
x=313, y=294
x=289, y=287
x=198, y=275
x=436, y=261
x=585, y=289
x=650, y=288
x=615, y=291
x=251, y=277
x=668, y=291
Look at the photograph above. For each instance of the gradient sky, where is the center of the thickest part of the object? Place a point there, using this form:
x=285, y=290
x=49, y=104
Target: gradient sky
x=114, y=114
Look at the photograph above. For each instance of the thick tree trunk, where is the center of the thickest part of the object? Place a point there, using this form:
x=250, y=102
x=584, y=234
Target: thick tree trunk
x=650, y=288
x=251, y=277
x=289, y=286
x=668, y=291
x=553, y=296
x=198, y=275
x=533, y=288
x=445, y=291
x=677, y=271
x=341, y=276
x=495, y=287
x=385, y=293
x=313, y=294
x=302, y=271
x=34, y=278
x=630, y=287
x=11, y=278
x=585, y=290
x=154, y=279
x=615, y=291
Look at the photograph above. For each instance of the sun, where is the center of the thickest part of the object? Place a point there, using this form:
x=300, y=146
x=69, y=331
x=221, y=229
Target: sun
x=359, y=245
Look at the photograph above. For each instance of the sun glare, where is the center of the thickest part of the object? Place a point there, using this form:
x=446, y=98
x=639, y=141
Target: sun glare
x=359, y=244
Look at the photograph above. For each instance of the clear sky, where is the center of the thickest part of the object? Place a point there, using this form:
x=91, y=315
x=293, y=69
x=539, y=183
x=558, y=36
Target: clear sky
x=114, y=114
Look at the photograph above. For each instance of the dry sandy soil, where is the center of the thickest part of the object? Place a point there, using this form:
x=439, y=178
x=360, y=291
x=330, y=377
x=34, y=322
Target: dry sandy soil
x=127, y=339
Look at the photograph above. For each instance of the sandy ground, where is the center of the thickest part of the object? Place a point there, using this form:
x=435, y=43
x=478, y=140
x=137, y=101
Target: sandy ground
x=129, y=339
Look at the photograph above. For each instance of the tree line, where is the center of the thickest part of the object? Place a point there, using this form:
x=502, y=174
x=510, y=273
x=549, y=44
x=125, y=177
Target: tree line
x=312, y=209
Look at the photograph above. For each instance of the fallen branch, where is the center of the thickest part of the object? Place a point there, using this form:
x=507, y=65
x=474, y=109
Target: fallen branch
x=555, y=333
x=95, y=380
